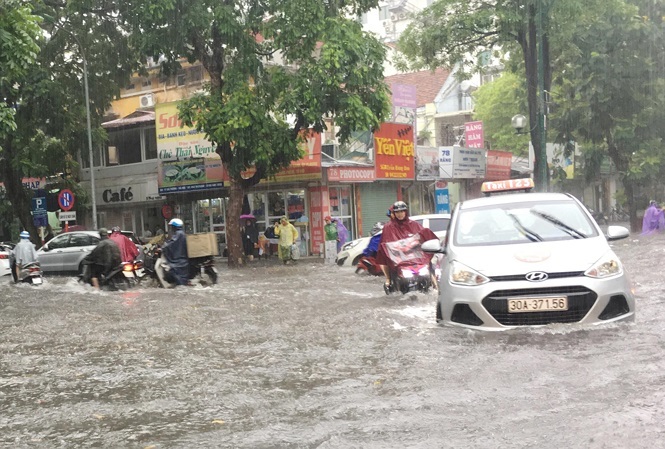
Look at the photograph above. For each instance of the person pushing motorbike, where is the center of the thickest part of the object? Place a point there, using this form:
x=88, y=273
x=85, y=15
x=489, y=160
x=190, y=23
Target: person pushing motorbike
x=175, y=253
x=398, y=228
x=24, y=253
x=128, y=250
x=103, y=259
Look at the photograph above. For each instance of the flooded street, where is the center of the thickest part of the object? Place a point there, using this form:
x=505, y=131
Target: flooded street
x=313, y=356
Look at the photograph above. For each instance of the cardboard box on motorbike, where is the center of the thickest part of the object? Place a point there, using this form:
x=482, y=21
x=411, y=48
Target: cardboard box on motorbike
x=202, y=245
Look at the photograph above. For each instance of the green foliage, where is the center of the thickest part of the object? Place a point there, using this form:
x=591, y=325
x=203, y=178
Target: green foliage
x=495, y=104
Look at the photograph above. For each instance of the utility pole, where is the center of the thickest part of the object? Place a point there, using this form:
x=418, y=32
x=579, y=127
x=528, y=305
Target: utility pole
x=92, y=167
x=541, y=178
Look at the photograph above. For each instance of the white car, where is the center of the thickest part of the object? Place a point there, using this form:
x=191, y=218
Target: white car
x=353, y=250
x=529, y=259
x=5, y=256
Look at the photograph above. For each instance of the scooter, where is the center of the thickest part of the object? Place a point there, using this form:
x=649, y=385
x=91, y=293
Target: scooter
x=201, y=269
x=367, y=264
x=30, y=273
x=405, y=279
x=120, y=278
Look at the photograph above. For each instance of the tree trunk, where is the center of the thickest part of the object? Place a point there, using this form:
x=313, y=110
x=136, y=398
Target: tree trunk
x=16, y=194
x=233, y=212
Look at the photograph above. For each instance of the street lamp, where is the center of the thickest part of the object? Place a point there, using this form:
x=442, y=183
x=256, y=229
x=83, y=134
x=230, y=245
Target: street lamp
x=87, y=113
x=519, y=123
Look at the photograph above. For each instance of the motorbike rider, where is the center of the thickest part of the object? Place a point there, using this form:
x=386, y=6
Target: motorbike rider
x=24, y=253
x=175, y=253
x=103, y=259
x=128, y=250
x=398, y=228
x=373, y=245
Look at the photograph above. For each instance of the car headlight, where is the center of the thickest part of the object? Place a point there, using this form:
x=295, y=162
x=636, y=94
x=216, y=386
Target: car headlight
x=351, y=244
x=407, y=274
x=424, y=271
x=606, y=266
x=463, y=275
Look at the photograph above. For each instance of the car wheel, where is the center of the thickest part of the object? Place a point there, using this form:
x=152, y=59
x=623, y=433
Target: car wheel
x=439, y=315
x=355, y=261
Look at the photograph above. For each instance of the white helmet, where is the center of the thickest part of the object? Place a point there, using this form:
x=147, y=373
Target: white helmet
x=176, y=223
x=24, y=235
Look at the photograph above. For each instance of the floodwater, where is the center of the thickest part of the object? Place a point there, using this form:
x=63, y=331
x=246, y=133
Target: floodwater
x=314, y=356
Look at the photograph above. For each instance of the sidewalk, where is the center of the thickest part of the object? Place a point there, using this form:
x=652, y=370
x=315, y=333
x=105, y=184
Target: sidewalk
x=268, y=261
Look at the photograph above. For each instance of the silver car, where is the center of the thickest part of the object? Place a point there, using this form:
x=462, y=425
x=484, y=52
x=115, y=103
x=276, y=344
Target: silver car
x=529, y=259
x=65, y=252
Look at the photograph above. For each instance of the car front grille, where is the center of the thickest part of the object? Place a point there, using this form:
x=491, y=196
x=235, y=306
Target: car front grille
x=580, y=301
x=521, y=277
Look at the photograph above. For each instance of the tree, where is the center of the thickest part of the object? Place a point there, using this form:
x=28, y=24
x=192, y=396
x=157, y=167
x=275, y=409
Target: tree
x=277, y=68
x=613, y=90
x=46, y=94
x=495, y=104
x=453, y=33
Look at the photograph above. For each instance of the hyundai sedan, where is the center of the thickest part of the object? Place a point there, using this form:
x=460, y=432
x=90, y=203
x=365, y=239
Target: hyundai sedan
x=529, y=259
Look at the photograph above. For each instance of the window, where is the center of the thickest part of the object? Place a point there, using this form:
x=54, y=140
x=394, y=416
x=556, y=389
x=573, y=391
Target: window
x=82, y=240
x=384, y=14
x=59, y=242
x=150, y=140
x=181, y=79
x=147, y=82
x=127, y=143
x=195, y=74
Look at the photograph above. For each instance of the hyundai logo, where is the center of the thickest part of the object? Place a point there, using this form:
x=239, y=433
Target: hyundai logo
x=536, y=276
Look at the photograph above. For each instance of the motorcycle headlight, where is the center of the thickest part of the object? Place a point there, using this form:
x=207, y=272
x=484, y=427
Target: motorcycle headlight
x=606, y=266
x=407, y=274
x=463, y=275
x=424, y=271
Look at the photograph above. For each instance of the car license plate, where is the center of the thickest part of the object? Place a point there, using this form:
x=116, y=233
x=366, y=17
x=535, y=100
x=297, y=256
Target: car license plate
x=128, y=274
x=520, y=305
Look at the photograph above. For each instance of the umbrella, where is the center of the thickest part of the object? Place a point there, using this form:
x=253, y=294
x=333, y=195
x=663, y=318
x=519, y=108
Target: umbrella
x=247, y=217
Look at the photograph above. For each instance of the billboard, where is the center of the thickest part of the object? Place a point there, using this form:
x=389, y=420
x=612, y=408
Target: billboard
x=394, y=152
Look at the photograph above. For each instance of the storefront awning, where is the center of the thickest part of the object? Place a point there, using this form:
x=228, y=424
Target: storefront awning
x=136, y=118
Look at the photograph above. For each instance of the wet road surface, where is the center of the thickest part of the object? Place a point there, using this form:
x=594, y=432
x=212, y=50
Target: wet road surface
x=313, y=356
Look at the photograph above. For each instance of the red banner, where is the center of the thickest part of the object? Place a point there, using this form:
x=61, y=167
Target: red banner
x=498, y=165
x=474, y=135
x=318, y=208
x=394, y=152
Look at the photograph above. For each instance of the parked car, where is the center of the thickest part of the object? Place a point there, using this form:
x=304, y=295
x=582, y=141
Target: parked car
x=353, y=250
x=66, y=251
x=5, y=256
x=529, y=259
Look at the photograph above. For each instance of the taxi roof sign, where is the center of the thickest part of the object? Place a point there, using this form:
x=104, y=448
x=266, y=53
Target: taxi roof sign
x=507, y=185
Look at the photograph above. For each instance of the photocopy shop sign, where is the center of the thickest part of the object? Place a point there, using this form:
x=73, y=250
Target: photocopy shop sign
x=394, y=152
x=351, y=174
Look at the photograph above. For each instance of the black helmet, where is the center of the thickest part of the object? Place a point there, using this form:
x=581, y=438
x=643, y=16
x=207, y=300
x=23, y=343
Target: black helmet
x=378, y=227
x=400, y=206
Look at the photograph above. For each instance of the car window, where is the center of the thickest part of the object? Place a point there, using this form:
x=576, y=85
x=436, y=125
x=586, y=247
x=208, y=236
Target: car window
x=59, y=242
x=438, y=224
x=500, y=224
x=81, y=240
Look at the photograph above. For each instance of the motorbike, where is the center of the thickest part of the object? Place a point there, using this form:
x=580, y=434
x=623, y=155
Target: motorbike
x=120, y=278
x=367, y=264
x=30, y=273
x=600, y=217
x=201, y=269
x=410, y=269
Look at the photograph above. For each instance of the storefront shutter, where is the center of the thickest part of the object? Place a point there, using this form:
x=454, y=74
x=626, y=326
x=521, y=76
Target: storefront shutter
x=375, y=199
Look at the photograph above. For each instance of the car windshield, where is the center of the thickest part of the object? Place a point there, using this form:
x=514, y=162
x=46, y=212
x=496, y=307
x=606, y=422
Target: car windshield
x=523, y=222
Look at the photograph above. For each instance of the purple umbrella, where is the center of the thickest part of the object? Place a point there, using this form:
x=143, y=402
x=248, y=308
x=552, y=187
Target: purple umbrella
x=247, y=217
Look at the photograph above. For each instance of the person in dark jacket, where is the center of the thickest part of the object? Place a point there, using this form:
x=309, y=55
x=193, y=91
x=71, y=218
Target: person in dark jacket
x=103, y=259
x=175, y=253
x=250, y=238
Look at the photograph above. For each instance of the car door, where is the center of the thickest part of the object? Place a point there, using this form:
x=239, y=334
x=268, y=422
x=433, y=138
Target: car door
x=50, y=255
x=79, y=246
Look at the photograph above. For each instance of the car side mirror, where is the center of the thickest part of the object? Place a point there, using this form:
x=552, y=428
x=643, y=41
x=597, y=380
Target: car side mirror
x=432, y=246
x=46, y=248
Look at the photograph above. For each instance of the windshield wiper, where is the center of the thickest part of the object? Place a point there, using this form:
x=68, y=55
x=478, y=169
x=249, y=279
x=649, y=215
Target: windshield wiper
x=560, y=224
x=527, y=232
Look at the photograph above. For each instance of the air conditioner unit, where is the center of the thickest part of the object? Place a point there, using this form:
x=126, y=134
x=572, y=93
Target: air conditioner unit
x=147, y=101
